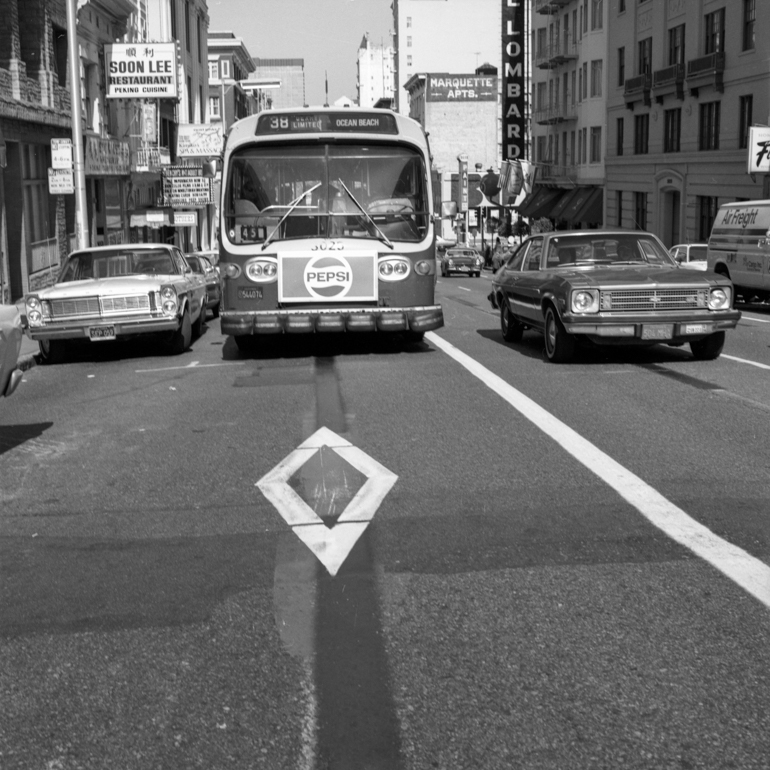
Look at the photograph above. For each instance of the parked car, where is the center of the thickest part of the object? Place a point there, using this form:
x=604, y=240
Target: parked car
x=113, y=292
x=691, y=256
x=461, y=259
x=10, y=345
x=203, y=266
x=607, y=287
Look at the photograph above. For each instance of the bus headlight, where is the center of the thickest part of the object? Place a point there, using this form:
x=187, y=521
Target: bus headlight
x=261, y=270
x=585, y=301
x=720, y=298
x=394, y=268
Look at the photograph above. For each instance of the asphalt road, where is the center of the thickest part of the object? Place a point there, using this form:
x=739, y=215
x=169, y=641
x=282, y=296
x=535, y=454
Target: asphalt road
x=354, y=553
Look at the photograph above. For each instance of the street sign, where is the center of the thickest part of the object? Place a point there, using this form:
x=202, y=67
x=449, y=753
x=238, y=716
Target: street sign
x=61, y=153
x=61, y=181
x=330, y=545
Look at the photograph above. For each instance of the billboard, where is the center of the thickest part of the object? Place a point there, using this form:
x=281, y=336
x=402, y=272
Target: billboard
x=140, y=70
x=514, y=41
x=443, y=87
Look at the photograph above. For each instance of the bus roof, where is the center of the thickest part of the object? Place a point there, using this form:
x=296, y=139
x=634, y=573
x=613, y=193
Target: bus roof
x=320, y=121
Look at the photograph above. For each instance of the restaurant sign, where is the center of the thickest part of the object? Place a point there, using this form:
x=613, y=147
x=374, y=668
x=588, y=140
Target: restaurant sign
x=141, y=70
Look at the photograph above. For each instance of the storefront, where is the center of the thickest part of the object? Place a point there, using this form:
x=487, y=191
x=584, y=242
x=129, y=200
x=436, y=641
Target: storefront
x=107, y=171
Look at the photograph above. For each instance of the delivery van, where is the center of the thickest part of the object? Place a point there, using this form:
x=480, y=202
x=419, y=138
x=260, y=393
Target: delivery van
x=739, y=247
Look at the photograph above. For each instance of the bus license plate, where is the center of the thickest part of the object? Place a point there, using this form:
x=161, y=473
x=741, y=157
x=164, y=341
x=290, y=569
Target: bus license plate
x=249, y=292
x=657, y=331
x=101, y=332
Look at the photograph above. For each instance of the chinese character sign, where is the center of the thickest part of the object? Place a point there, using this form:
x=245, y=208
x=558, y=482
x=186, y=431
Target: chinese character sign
x=141, y=70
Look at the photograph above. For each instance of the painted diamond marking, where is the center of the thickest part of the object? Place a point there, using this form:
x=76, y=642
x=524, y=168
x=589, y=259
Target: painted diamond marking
x=330, y=545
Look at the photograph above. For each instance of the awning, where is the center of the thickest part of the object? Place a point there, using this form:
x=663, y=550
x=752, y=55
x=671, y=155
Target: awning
x=592, y=211
x=540, y=202
x=576, y=203
x=557, y=212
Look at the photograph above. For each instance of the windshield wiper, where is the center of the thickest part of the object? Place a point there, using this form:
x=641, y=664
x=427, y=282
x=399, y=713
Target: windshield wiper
x=352, y=197
x=293, y=205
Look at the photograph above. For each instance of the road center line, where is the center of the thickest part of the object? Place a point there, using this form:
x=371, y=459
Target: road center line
x=463, y=288
x=747, y=571
x=193, y=365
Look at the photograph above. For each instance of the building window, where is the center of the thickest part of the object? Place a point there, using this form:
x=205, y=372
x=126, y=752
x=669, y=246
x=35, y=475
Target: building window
x=621, y=6
x=201, y=105
x=408, y=22
x=213, y=70
x=597, y=12
x=187, y=25
x=584, y=11
x=749, y=20
x=715, y=31
x=199, y=39
x=747, y=110
x=645, y=56
x=620, y=135
x=40, y=219
x=621, y=66
x=596, y=144
x=214, y=110
x=172, y=12
x=573, y=148
x=584, y=145
x=619, y=207
x=641, y=134
x=584, y=70
x=676, y=45
x=596, y=77
x=707, y=213
x=708, y=138
x=408, y=60
x=640, y=210
x=190, y=100
x=225, y=67
x=409, y=41
x=673, y=130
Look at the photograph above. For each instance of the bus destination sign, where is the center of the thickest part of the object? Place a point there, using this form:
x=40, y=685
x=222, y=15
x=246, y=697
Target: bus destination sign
x=326, y=122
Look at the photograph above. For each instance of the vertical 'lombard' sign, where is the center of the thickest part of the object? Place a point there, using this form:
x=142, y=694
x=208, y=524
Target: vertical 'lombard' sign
x=514, y=124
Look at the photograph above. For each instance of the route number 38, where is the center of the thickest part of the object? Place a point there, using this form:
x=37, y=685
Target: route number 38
x=279, y=124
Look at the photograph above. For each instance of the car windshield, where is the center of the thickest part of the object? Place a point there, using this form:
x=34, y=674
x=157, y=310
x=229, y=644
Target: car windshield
x=196, y=264
x=604, y=249
x=351, y=190
x=108, y=264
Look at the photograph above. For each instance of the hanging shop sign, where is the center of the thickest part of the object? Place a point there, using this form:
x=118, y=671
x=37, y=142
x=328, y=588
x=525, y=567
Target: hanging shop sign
x=201, y=140
x=514, y=41
x=185, y=186
x=107, y=157
x=141, y=70
x=759, y=150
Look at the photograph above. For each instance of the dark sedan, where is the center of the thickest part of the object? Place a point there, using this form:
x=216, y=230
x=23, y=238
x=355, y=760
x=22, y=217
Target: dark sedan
x=203, y=266
x=461, y=260
x=606, y=287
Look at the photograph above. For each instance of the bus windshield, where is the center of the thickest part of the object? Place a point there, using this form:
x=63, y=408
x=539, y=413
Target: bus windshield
x=326, y=190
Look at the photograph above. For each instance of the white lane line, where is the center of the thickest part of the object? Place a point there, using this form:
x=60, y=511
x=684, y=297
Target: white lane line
x=758, y=320
x=193, y=365
x=463, y=288
x=746, y=361
x=747, y=571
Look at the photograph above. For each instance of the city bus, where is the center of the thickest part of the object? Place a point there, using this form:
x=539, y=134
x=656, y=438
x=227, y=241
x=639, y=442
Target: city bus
x=327, y=225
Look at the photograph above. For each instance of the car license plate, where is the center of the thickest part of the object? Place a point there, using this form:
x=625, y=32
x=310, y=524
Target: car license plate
x=101, y=332
x=249, y=292
x=657, y=331
x=697, y=328
x=464, y=268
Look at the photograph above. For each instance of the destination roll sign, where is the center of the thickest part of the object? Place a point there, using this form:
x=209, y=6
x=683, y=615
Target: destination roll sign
x=326, y=122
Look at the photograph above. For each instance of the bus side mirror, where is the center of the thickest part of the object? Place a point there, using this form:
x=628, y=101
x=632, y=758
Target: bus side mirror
x=210, y=168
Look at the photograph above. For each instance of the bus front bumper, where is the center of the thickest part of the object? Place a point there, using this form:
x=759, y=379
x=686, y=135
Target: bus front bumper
x=307, y=320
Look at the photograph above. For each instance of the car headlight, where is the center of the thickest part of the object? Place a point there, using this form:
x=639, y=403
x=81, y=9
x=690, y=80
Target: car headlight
x=394, y=268
x=585, y=301
x=168, y=300
x=478, y=261
x=450, y=262
x=720, y=298
x=34, y=309
x=262, y=270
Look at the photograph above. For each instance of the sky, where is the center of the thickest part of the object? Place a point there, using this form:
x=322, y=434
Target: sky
x=325, y=33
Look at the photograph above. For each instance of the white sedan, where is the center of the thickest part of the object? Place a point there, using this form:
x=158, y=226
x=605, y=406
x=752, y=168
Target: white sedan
x=691, y=256
x=10, y=345
x=112, y=292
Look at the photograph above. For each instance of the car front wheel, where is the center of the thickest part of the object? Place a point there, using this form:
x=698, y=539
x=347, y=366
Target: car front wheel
x=510, y=327
x=709, y=347
x=52, y=351
x=182, y=337
x=559, y=345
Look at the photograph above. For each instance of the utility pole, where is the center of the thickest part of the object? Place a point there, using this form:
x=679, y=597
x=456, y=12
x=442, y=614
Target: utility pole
x=81, y=217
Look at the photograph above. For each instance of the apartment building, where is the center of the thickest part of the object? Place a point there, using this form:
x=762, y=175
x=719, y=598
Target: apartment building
x=375, y=72
x=687, y=79
x=569, y=94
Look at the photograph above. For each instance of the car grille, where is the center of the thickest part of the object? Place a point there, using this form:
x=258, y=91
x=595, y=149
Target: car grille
x=641, y=300
x=98, y=306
